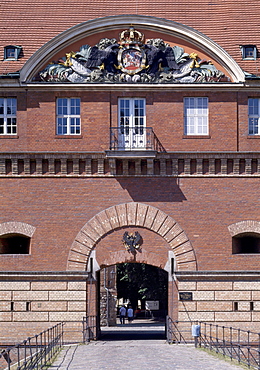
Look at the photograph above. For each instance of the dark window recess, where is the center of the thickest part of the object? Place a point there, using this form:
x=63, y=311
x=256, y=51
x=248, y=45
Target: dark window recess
x=246, y=243
x=235, y=306
x=28, y=306
x=251, y=306
x=91, y=265
x=57, y=166
x=12, y=306
x=14, y=244
x=193, y=166
x=131, y=168
x=143, y=167
x=69, y=167
x=172, y=265
x=205, y=166
x=119, y=167
x=94, y=166
x=156, y=165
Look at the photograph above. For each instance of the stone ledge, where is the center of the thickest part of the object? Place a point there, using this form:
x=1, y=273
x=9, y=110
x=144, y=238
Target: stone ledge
x=220, y=275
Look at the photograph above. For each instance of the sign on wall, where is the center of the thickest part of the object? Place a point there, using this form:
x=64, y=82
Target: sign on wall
x=152, y=305
x=185, y=296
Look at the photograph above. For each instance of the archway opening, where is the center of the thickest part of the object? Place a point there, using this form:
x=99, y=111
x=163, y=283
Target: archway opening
x=143, y=290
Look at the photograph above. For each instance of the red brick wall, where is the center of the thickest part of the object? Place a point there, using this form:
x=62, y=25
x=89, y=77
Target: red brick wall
x=60, y=207
x=164, y=111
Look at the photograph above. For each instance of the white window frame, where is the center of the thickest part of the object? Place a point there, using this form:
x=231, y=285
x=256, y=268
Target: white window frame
x=8, y=121
x=132, y=126
x=249, y=52
x=68, y=116
x=253, y=116
x=12, y=52
x=196, y=116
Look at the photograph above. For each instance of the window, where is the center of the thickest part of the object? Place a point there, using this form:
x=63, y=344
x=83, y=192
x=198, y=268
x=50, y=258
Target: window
x=249, y=52
x=253, y=116
x=14, y=244
x=68, y=116
x=12, y=52
x=7, y=116
x=196, y=116
x=132, y=123
x=246, y=243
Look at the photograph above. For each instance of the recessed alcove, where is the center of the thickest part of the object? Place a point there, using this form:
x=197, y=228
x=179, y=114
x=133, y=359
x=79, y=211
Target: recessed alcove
x=14, y=244
x=246, y=243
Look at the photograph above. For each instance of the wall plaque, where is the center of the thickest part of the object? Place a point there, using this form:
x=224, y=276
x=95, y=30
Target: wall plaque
x=185, y=296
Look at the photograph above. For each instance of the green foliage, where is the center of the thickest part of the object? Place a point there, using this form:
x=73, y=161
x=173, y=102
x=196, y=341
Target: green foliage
x=138, y=281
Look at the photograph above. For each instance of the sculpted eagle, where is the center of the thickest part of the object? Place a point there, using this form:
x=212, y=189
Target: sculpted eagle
x=132, y=241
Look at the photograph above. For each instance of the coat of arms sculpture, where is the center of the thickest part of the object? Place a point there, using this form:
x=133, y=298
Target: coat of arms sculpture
x=132, y=241
x=131, y=60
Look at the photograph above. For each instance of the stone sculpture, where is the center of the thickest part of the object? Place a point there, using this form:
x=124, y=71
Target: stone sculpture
x=132, y=61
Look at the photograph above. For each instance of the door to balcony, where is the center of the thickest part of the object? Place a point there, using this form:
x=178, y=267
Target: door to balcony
x=132, y=124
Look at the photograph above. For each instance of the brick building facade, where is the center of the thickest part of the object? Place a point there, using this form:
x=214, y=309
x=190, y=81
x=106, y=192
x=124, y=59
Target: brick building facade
x=93, y=147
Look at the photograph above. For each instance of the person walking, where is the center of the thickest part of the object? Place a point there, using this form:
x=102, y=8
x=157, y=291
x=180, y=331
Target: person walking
x=130, y=314
x=122, y=314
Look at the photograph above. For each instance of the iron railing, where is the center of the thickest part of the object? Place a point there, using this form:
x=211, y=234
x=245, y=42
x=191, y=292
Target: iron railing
x=173, y=333
x=134, y=138
x=34, y=352
x=91, y=330
x=238, y=344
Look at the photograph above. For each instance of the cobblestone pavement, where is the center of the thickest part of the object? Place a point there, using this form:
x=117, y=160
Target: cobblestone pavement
x=137, y=348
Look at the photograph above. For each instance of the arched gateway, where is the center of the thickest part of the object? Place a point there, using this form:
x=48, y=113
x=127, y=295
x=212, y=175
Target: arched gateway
x=128, y=215
x=100, y=240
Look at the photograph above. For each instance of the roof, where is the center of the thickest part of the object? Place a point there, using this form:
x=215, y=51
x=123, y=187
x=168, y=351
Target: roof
x=31, y=24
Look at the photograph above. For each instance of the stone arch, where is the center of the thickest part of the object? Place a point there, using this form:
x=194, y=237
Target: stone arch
x=132, y=214
x=244, y=227
x=73, y=34
x=14, y=227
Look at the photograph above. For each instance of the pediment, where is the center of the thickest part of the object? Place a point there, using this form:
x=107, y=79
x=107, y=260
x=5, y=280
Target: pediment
x=133, y=50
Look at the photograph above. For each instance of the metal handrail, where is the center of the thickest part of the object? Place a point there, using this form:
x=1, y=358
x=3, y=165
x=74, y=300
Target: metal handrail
x=238, y=344
x=173, y=334
x=143, y=138
x=91, y=330
x=34, y=352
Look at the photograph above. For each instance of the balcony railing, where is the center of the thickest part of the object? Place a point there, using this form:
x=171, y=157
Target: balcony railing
x=134, y=138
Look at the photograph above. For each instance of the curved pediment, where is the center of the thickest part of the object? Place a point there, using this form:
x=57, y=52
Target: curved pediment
x=108, y=50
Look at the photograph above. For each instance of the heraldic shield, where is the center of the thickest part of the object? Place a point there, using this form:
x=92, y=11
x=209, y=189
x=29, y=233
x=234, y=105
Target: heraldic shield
x=131, y=59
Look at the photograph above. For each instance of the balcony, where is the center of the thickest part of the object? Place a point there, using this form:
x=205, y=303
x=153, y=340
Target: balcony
x=133, y=142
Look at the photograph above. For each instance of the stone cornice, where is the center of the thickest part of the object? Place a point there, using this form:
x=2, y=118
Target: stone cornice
x=133, y=87
x=44, y=276
x=217, y=275
x=175, y=164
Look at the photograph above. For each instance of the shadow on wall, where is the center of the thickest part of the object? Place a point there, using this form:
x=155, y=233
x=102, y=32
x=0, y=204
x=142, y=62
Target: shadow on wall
x=152, y=189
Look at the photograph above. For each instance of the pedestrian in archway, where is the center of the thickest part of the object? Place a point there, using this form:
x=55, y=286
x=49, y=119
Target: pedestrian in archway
x=130, y=314
x=122, y=314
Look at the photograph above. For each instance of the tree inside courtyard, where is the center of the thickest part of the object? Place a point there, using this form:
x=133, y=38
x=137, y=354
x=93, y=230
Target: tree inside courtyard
x=142, y=282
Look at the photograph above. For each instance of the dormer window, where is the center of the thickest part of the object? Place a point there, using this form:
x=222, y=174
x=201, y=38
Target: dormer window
x=12, y=52
x=249, y=52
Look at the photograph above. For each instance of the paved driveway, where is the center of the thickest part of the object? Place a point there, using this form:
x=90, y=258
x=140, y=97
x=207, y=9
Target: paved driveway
x=137, y=347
